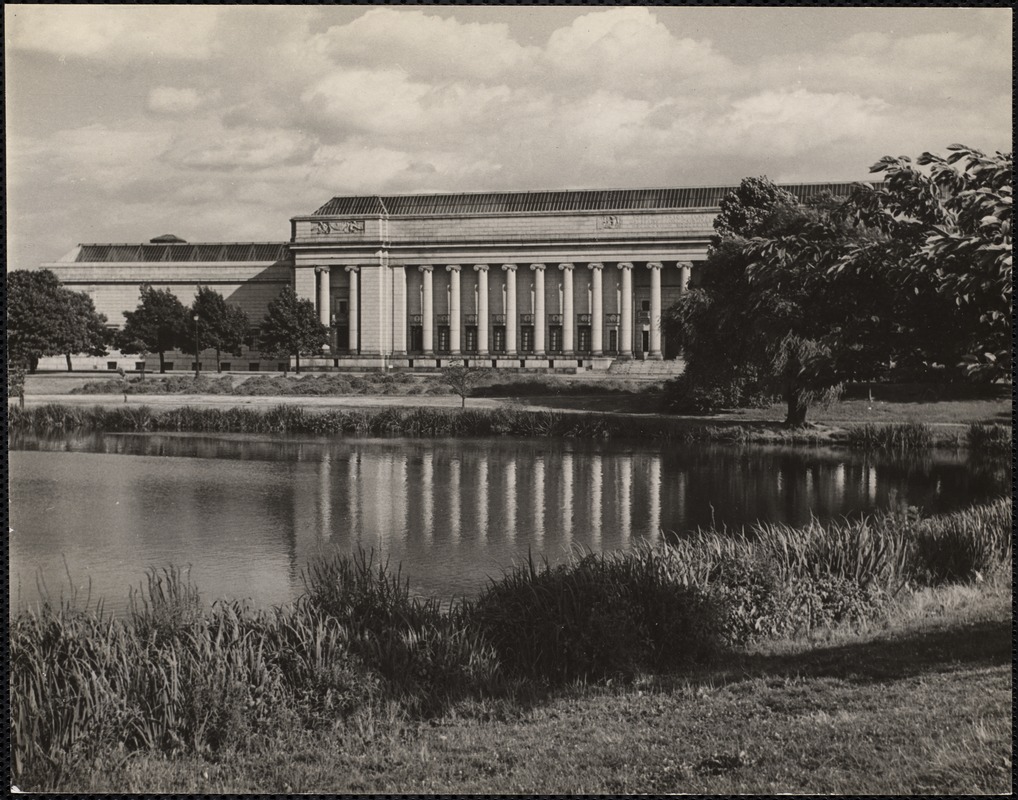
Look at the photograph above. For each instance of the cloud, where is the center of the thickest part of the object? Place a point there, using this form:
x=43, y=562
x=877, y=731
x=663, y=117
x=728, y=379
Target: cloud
x=250, y=149
x=168, y=100
x=116, y=32
x=428, y=45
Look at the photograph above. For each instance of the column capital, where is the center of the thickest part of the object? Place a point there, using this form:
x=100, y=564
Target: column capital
x=625, y=265
x=425, y=268
x=566, y=266
x=687, y=264
x=480, y=267
x=452, y=268
x=655, y=265
x=537, y=267
x=509, y=268
x=595, y=265
x=322, y=269
x=352, y=269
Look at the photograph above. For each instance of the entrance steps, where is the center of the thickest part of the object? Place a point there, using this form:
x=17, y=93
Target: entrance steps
x=639, y=369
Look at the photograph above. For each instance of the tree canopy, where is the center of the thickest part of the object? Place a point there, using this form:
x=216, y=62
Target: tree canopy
x=291, y=328
x=914, y=273
x=223, y=326
x=158, y=324
x=44, y=318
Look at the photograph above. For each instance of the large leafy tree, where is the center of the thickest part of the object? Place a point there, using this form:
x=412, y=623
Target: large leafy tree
x=223, y=326
x=158, y=324
x=768, y=318
x=291, y=328
x=82, y=329
x=945, y=236
x=36, y=305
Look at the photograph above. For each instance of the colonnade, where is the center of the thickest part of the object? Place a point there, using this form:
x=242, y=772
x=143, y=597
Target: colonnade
x=510, y=316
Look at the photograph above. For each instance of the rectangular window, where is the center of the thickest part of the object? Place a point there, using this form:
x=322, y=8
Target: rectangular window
x=168, y=365
x=283, y=366
x=498, y=339
x=139, y=365
x=443, y=338
x=527, y=338
x=195, y=365
x=645, y=305
x=342, y=338
x=470, y=345
x=253, y=366
x=225, y=366
x=555, y=339
x=613, y=340
x=583, y=338
x=416, y=339
x=111, y=365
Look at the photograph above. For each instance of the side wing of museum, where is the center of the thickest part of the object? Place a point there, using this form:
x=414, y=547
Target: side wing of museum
x=535, y=280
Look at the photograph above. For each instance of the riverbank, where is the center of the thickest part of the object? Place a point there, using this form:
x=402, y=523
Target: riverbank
x=258, y=700
x=395, y=416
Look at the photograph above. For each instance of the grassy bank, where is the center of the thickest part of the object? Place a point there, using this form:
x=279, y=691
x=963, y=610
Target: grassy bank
x=508, y=421
x=359, y=659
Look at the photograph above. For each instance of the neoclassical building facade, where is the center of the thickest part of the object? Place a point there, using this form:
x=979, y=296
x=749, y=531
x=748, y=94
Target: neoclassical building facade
x=533, y=280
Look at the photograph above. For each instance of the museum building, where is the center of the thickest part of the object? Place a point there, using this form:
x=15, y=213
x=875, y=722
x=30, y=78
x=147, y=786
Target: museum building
x=565, y=280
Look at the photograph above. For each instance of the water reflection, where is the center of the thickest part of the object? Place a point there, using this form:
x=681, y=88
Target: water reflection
x=249, y=513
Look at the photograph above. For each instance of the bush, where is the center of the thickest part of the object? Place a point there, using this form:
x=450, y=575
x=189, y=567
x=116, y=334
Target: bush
x=688, y=395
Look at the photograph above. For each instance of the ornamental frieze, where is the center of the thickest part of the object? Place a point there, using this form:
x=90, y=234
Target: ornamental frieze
x=323, y=227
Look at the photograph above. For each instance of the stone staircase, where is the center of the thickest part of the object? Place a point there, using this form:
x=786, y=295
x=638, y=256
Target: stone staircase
x=637, y=369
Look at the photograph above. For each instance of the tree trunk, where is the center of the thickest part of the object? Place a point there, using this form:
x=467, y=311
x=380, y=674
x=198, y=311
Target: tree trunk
x=464, y=404
x=21, y=399
x=162, y=363
x=297, y=370
x=797, y=408
x=33, y=364
x=219, y=366
x=68, y=357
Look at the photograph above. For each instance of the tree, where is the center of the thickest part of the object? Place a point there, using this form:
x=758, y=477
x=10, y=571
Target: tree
x=461, y=379
x=291, y=328
x=159, y=323
x=224, y=326
x=82, y=329
x=16, y=380
x=36, y=307
x=947, y=238
x=766, y=317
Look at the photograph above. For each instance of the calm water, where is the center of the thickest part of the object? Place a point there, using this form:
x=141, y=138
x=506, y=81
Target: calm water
x=248, y=512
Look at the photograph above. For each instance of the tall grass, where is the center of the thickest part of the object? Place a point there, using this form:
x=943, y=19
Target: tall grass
x=179, y=678
x=893, y=436
x=992, y=437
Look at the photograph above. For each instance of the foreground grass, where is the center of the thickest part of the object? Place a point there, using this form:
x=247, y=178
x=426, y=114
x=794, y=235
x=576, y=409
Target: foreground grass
x=359, y=658
x=922, y=706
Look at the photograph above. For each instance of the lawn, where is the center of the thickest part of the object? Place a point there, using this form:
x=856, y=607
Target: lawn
x=923, y=707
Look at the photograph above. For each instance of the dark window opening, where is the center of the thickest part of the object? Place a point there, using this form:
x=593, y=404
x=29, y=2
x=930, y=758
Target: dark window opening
x=613, y=340
x=555, y=339
x=470, y=345
x=527, y=338
x=416, y=339
x=111, y=365
x=583, y=339
x=443, y=339
x=253, y=366
x=498, y=338
x=139, y=365
x=168, y=365
x=283, y=366
x=224, y=366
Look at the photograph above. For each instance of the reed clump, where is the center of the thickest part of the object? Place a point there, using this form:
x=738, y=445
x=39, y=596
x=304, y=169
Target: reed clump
x=179, y=678
x=900, y=436
x=991, y=438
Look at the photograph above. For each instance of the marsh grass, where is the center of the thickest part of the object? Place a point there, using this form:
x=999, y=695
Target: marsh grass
x=182, y=679
x=901, y=436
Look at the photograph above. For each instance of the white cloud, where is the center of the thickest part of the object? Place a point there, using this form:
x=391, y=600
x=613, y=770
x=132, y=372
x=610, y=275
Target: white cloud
x=428, y=45
x=168, y=100
x=116, y=32
x=213, y=147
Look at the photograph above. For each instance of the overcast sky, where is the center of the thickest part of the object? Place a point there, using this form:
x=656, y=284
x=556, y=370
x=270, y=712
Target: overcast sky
x=219, y=123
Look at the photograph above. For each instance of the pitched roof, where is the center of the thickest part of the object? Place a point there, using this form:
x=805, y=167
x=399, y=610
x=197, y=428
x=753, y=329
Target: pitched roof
x=183, y=252
x=529, y=202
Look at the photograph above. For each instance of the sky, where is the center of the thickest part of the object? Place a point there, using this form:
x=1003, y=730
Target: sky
x=219, y=123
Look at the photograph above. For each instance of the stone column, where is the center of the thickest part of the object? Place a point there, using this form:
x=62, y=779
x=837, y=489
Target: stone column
x=454, y=308
x=655, y=310
x=626, y=311
x=568, y=315
x=428, y=311
x=354, y=324
x=596, y=310
x=482, y=308
x=324, y=295
x=511, y=317
x=685, y=269
x=540, y=321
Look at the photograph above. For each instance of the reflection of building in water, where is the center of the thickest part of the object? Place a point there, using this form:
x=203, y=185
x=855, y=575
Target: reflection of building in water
x=453, y=499
x=509, y=498
x=596, y=499
x=654, y=485
x=566, y=501
x=482, y=514
x=538, y=499
x=428, y=495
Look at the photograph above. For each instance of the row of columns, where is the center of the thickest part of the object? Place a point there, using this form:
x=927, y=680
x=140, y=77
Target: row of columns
x=323, y=289
x=540, y=316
